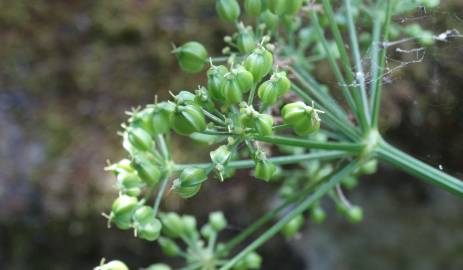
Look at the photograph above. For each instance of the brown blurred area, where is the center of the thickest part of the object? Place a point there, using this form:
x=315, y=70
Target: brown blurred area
x=70, y=69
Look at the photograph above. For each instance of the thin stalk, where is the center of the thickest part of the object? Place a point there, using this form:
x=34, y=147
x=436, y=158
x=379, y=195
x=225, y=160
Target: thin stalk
x=218, y=133
x=338, y=39
x=315, y=91
x=166, y=155
x=311, y=144
x=376, y=95
x=324, y=188
x=214, y=118
x=163, y=147
x=162, y=190
x=252, y=94
x=375, y=44
x=354, y=105
x=419, y=169
x=281, y=160
x=364, y=110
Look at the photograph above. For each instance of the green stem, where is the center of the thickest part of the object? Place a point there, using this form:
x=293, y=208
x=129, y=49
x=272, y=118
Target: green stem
x=289, y=159
x=166, y=155
x=378, y=83
x=163, y=147
x=338, y=39
x=162, y=190
x=419, y=169
x=218, y=133
x=360, y=75
x=354, y=105
x=252, y=94
x=213, y=118
x=311, y=144
x=324, y=188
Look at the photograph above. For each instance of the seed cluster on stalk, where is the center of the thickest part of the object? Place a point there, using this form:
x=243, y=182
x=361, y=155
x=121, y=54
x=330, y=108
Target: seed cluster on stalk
x=259, y=99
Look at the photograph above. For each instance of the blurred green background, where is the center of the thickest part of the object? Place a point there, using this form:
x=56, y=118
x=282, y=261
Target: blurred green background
x=70, y=69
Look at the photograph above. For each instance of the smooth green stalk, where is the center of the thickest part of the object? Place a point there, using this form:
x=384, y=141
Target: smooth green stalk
x=376, y=95
x=214, y=118
x=364, y=110
x=324, y=188
x=316, y=91
x=252, y=94
x=160, y=195
x=312, y=144
x=419, y=169
x=375, y=44
x=354, y=105
x=166, y=155
x=163, y=147
x=338, y=39
x=281, y=160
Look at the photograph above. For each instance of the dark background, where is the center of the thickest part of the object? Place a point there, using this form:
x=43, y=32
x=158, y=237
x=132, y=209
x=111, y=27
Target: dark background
x=69, y=70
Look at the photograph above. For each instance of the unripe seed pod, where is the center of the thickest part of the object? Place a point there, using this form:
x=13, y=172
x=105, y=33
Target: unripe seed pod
x=121, y=211
x=265, y=170
x=188, y=119
x=215, y=78
x=269, y=19
x=143, y=215
x=244, y=78
x=268, y=92
x=317, y=215
x=231, y=90
x=264, y=124
x=191, y=56
x=155, y=119
x=112, y=265
x=283, y=84
x=253, y=261
x=189, y=182
x=189, y=225
x=277, y=6
x=350, y=182
x=246, y=40
x=253, y=7
x=293, y=226
x=168, y=247
x=172, y=224
x=217, y=221
x=185, y=98
x=221, y=155
x=185, y=192
x=228, y=10
x=304, y=119
x=369, y=167
x=147, y=170
x=259, y=63
x=129, y=183
x=149, y=231
x=354, y=214
x=140, y=139
x=293, y=6
x=193, y=176
x=207, y=231
x=159, y=266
